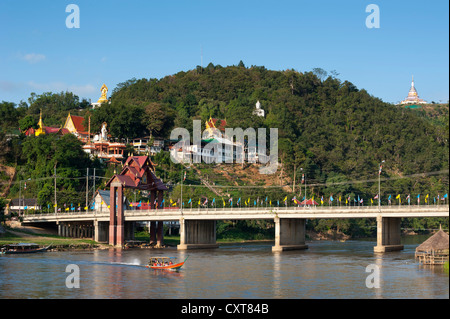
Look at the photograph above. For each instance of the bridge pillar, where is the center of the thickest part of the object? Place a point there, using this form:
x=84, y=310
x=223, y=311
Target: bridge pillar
x=196, y=234
x=120, y=228
x=160, y=229
x=152, y=223
x=116, y=216
x=112, y=215
x=289, y=234
x=100, y=231
x=388, y=234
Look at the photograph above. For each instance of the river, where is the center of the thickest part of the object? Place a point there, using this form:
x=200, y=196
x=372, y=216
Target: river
x=328, y=269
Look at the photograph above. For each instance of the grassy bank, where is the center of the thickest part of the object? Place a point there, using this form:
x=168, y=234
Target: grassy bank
x=19, y=236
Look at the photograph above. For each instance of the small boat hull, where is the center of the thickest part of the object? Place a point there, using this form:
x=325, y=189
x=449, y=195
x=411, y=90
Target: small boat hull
x=26, y=251
x=168, y=267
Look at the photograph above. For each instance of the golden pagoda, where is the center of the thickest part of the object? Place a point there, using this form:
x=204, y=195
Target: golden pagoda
x=41, y=129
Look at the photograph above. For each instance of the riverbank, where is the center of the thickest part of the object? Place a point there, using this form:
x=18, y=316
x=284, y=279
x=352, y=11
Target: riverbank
x=24, y=235
x=60, y=243
x=31, y=235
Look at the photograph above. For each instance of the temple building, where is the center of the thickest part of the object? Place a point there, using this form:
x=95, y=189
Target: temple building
x=105, y=148
x=215, y=146
x=42, y=130
x=74, y=124
x=413, y=97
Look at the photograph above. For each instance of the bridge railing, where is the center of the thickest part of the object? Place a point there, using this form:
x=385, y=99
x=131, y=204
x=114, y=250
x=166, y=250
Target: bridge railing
x=244, y=210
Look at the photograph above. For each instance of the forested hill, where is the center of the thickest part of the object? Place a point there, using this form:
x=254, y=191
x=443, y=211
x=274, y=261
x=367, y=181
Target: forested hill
x=326, y=125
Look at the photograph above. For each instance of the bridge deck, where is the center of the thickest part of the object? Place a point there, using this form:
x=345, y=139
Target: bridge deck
x=250, y=213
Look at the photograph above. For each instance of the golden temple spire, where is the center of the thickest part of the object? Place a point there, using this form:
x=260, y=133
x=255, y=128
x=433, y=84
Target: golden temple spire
x=41, y=129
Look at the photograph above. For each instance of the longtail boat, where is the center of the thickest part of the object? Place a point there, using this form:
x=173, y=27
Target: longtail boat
x=164, y=263
x=23, y=248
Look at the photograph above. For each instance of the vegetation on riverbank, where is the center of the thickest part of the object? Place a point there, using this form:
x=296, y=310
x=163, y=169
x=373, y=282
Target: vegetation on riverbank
x=16, y=236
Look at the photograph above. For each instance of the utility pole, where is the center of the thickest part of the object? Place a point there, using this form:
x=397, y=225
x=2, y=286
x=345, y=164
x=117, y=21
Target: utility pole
x=182, y=177
x=93, y=196
x=379, y=186
x=87, y=185
x=20, y=196
x=54, y=175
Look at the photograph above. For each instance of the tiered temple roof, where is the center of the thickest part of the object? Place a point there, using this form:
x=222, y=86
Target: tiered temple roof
x=138, y=173
x=413, y=96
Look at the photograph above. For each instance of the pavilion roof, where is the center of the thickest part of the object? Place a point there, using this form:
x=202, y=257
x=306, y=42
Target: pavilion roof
x=438, y=241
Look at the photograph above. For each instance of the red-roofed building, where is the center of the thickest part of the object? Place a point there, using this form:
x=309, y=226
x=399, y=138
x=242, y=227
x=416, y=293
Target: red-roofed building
x=42, y=130
x=138, y=173
x=74, y=124
x=213, y=123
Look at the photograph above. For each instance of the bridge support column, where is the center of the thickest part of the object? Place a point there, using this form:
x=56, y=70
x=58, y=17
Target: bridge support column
x=388, y=234
x=197, y=234
x=100, y=231
x=160, y=229
x=116, y=216
x=152, y=229
x=120, y=228
x=289, y=234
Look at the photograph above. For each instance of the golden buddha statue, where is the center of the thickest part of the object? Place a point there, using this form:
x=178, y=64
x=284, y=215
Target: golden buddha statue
x=103, y=98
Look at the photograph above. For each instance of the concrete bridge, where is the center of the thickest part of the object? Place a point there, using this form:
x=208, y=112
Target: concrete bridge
x=198, y=226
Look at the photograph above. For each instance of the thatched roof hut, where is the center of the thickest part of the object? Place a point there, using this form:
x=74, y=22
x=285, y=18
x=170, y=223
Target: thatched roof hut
x=437, y=242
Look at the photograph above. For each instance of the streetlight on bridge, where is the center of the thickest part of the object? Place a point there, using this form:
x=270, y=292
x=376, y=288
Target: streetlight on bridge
x=379, y=185
x=304, y=181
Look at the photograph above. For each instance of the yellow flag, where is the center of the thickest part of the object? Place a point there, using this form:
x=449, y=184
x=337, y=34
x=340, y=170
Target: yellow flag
x=174, y=204
x=131, y=204
x=285, y=199
x=67, y=209
x=56, y=205
x=223, y=202
x=86, y=208
x=371, y=200
x=199, y=202
x=397, y=197
x=270, y=202
x=109, y=206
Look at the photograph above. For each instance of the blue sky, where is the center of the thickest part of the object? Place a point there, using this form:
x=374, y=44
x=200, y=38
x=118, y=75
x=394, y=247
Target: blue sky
x=119, y=40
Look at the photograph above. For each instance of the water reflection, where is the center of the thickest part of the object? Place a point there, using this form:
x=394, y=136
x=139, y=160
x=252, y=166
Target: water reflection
x=325, y=270
x=277, y=274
